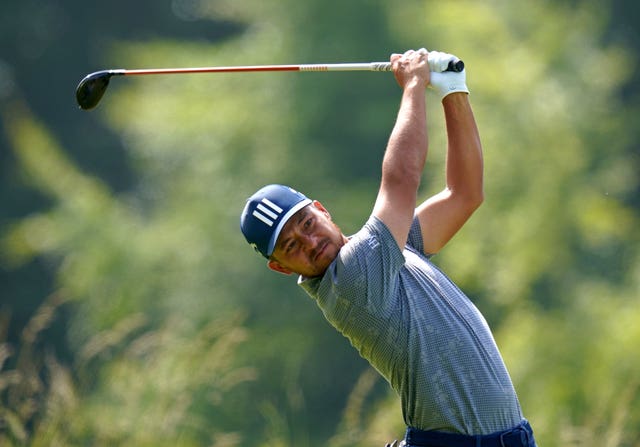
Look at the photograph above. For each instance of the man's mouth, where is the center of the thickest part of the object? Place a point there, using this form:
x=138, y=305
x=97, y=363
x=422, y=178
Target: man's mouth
x=320, y=249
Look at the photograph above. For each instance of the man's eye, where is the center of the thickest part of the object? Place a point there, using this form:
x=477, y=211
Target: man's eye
x=308, y=222
x=290, y=246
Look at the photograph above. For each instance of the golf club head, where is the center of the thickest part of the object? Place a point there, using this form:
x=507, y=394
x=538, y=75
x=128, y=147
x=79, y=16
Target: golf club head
x=92, y=87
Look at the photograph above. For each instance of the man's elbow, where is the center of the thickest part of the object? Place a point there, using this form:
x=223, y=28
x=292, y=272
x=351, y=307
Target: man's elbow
x=478, y=199
x=473, y=200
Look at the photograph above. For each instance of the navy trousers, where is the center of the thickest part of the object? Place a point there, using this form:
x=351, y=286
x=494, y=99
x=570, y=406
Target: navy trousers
x=518, y=436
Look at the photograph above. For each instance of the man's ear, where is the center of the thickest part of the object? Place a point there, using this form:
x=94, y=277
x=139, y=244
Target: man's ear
x=320, y=207
x=277, y=267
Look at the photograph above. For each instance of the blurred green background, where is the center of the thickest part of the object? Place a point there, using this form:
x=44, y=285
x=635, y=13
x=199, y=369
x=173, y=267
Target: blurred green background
x=132, y=312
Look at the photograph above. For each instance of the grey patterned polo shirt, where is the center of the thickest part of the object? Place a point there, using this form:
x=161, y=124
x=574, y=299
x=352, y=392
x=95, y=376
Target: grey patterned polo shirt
x=419, y=331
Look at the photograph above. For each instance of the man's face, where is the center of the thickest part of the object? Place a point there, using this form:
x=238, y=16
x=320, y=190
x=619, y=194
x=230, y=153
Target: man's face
x=308, y=243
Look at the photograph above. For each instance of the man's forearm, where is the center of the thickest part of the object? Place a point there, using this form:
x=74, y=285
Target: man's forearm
x=406, y=150
x=464, y=170
x=408, y=144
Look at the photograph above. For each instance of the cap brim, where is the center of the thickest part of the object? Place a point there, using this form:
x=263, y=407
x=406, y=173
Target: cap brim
x=274, y=236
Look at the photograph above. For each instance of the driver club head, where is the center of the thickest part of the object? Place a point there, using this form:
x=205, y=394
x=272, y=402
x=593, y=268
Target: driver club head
x=92, y=87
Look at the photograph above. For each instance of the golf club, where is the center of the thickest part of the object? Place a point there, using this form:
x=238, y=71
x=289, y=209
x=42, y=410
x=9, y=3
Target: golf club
x=91, y=89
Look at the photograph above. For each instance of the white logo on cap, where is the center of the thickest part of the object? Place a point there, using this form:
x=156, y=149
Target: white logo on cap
x=267, y=212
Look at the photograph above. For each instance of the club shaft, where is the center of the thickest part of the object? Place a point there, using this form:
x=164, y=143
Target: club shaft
x=92, y=87
x=370, y=66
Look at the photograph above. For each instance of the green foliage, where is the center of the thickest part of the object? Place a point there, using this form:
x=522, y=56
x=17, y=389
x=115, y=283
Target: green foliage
x=177, y=333
x=130, y=385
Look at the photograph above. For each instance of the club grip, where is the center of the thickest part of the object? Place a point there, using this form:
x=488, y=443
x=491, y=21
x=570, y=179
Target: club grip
x=456, y=66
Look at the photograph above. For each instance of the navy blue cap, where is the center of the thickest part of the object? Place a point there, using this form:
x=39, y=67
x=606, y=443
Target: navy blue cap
x=265, y=214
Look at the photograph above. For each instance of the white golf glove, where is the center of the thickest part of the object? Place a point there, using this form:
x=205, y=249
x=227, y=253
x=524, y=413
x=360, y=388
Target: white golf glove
x=445, y=82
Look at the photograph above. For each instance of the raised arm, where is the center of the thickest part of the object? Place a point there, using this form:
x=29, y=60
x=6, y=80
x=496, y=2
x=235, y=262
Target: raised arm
x=406, y=150
x=442, y=215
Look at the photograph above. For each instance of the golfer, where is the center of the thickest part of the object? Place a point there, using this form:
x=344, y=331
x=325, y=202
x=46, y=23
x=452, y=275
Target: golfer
x=379, y=287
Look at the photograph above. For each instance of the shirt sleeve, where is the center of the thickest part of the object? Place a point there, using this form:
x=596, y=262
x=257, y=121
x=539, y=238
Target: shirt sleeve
x=415, y=236
x=415, y=239
x=368, y=268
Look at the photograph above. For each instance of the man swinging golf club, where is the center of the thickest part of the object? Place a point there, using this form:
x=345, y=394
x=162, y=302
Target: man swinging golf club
x=379, y=287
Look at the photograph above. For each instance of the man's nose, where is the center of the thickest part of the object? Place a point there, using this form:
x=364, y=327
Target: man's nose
x=308, y=242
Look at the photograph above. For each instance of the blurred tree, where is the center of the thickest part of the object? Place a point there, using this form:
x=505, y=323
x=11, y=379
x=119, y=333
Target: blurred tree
x=45, y=47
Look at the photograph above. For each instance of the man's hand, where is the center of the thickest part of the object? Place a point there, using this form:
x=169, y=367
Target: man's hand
x=411, y=67
x=445, y=82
